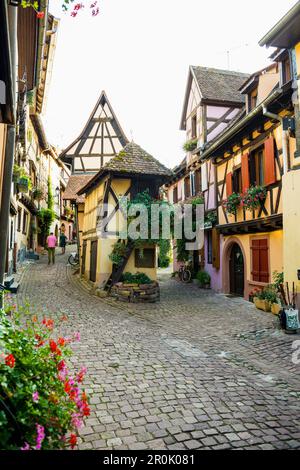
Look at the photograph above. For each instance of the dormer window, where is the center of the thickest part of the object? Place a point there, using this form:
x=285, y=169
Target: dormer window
x=252, y=100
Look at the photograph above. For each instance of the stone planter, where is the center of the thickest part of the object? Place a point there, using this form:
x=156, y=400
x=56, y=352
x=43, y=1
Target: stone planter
x=276, y=309
x=136, y=292
x=262, y=304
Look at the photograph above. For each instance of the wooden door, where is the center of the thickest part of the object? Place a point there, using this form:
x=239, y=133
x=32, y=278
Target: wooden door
x=83, y=257
x=236, y=270
x=93, y=263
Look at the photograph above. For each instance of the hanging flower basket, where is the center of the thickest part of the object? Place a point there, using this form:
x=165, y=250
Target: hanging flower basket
x=24, y=184
x=38, y=193
x=254, y=198
x=17, y=172
x=232, y=203
x=190, y=145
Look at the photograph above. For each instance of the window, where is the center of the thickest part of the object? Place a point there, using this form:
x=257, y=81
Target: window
x=19, y=219
x=194, y=127
x=144, y=258
x=193, y=186
x=175, y=195
x=260, y=260
x=286, y=71
x=237, y=181
x=187, y=187
x=252, y=100
x=198, y=181
x=209, y=247
x=257, y=167
x=25, y=218
x=11, y=238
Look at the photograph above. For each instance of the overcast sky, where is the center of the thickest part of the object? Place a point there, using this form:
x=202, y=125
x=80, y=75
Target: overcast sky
x=139, y=51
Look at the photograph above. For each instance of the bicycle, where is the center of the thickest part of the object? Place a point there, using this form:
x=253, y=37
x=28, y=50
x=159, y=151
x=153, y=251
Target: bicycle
x=184, y=274
x=73, y=259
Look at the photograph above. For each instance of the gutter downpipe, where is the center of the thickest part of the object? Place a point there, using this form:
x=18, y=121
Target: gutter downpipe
x=284, y=137
x=9, y=148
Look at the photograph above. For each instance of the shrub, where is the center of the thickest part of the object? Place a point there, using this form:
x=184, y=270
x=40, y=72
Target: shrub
x=41, y=402
x=203, y=277
x=138, y=278
x=118, y=253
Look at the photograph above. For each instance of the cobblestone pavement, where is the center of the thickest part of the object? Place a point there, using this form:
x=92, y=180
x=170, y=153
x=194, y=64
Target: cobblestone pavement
x=196, y=371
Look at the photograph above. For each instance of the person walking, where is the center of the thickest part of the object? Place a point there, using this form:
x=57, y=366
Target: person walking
x=51, y=243
x=62, y=242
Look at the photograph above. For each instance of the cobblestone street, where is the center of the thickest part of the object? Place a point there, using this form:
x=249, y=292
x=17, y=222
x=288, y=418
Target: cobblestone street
x=196, y=371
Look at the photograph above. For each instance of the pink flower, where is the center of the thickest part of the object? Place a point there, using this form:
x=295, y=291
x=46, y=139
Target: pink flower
x=26, y=446
x=35, y=397
x=76, y=421
x=77, y=336
x=40, y=436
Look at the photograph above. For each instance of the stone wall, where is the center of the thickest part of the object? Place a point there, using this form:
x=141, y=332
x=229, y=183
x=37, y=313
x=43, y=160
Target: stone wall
x=136, y=292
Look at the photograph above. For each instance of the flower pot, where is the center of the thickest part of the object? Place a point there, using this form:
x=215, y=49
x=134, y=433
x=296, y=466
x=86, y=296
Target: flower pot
x=262, y=304
x=23, y=185
x=275, y=309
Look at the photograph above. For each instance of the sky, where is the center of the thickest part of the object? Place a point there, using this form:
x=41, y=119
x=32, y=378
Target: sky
x=139, y=52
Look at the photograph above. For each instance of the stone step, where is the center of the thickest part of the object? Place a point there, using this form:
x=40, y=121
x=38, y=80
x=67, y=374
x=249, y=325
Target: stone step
x=9, y=280
x=14, y=287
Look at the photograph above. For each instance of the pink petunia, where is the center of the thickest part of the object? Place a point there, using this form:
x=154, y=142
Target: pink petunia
x=35, y=397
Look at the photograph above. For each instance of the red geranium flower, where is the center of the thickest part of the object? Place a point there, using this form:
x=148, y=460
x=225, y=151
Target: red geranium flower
x=61, y=365
x=10, y=361
x=73, y=440
x=53, y=345
x=67, y=386
x=61, y=341
x=40, y=15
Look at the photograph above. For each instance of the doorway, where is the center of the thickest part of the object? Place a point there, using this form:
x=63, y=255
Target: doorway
x=236, y=270
x=93, y=261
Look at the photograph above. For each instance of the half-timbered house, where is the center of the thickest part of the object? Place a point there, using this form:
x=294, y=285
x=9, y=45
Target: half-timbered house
x=101, y=139
x=285, y=38
x=252, y=153
x=212, y=100
x=129, y=173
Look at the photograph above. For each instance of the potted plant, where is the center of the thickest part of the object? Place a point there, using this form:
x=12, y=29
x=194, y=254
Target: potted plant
x=67, y=211
x=190, y=145
x=254, y=197
x=38, y=193
x=232, y=203
x=17, y=171
x=203, y=279
x=24, y=183
x=265, y=299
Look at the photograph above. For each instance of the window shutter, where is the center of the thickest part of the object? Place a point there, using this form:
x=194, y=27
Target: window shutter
x=255, y=260
x=204, y=182
x=216, y=248
x=270, y=173
x=229, y=184
x=260, y=260
x=264, y=260
x=245, y=172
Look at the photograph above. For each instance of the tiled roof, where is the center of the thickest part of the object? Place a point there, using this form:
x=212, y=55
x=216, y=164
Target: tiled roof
x=75, y=183
x=133, y=159
x=220, y=85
